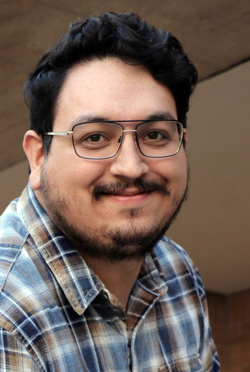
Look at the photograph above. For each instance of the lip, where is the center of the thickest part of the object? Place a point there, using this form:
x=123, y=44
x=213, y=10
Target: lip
x=129, y=197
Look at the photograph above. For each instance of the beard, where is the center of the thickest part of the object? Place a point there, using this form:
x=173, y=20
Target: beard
x=106, y=242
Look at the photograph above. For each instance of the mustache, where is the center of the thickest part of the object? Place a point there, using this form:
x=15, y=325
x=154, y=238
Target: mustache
x=143, y=186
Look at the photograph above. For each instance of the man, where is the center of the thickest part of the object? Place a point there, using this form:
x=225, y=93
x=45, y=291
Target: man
x=88, y=281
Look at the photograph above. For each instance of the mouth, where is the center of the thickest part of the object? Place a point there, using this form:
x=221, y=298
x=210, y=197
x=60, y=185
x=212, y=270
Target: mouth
x=129, y=197
x=129, y=192
x=138, y=190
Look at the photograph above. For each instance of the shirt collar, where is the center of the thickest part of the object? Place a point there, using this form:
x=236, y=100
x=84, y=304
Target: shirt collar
x=151, y=276
x=76, y=279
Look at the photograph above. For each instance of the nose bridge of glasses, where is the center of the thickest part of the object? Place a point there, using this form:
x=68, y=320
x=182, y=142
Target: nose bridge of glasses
x=129, y=130
x=126, y=131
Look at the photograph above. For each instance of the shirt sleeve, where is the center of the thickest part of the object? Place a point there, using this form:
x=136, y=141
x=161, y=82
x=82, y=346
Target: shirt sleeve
x=208, y=352
x=13, y=355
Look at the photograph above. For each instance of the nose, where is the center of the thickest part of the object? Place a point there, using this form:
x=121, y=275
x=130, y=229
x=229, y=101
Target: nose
x=129, y=162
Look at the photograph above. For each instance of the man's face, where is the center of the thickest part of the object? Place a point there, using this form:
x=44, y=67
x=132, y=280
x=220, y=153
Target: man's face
x=125, y=220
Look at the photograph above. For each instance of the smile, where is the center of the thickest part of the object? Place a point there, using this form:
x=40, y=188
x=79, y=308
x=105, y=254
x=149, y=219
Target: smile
x=138, y=190
x=129, y=197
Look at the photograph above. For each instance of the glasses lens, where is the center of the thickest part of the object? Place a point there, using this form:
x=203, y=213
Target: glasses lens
x=159, y=138
x=97, y=140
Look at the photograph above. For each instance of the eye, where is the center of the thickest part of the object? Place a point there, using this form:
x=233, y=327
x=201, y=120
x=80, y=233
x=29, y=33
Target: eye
x=97, y=137
x=93, y=140
x=154, y=138
x=155, y=135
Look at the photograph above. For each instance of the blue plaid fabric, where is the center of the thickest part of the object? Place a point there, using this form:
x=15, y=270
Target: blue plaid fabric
x=56, y=315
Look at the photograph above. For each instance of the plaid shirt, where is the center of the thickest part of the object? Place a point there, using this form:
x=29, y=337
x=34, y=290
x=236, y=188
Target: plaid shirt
x=56, y=315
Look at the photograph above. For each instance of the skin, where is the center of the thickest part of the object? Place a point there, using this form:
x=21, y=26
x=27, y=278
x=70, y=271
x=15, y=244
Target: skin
x=65, y=183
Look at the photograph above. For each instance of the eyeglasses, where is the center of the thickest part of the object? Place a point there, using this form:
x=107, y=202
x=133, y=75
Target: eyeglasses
x=103, y=139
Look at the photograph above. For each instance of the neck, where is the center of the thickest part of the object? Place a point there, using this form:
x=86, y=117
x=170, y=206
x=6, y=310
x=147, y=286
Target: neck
x=118, y=277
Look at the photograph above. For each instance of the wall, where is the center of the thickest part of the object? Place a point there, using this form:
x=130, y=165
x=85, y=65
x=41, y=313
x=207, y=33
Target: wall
x=12, y=182
x=239, y=332
x=230, y=322
x=219, y=320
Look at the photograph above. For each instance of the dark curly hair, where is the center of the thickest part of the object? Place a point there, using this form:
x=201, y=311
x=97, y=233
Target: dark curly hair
x=125, y=36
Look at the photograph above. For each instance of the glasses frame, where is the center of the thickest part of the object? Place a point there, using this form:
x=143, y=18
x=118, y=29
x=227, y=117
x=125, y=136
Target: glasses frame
x=117, y=122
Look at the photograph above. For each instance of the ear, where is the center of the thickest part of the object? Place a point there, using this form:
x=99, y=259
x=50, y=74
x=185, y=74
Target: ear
x=33, y=148
x=184, y=139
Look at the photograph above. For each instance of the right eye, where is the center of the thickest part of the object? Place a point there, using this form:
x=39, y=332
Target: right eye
x=93, y=140
x=97, y=137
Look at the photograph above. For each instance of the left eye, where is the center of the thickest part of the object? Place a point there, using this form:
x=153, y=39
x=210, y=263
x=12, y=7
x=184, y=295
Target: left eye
x=155, y=135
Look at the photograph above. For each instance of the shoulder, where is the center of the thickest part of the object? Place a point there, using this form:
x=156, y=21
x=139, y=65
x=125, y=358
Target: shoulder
x=24, y=290
x=177, y=265
x=12, y=230
x=22, y=269
x=13, y=235
x=169, y=253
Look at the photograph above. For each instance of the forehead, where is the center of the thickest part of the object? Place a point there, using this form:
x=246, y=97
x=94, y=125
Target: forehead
x=113, y=90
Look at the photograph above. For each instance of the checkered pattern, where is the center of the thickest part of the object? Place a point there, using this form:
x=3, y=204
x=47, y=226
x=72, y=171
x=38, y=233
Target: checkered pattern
x=56, y=315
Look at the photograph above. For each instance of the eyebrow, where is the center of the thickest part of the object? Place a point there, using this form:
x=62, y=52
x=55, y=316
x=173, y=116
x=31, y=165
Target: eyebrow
x=161, y=115
x=88, y=117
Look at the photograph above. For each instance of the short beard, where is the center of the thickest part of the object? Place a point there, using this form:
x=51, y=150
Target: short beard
x=106, y=243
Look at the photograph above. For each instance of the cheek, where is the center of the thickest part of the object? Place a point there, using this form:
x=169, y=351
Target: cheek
x=84, y=173
x=69, y=169
x=175, y=169
x=181, y=172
